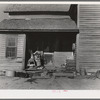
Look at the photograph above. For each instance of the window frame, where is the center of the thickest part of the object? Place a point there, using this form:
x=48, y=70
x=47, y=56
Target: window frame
x=8, y=37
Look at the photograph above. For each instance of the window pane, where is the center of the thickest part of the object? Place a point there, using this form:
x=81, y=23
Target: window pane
x=11, y=52
x=11, y=42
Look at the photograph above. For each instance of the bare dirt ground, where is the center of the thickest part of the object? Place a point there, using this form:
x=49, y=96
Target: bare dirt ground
x=63, y=83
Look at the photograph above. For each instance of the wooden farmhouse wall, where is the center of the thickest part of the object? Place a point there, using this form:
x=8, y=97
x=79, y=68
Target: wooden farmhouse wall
x=89, y=37
x=12, y=64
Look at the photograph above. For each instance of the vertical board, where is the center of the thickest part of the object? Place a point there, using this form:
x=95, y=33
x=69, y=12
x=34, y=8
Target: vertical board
x=21, y=50
x=89, y=40
x=2, y=47
x=21, y=41
x=77, y=51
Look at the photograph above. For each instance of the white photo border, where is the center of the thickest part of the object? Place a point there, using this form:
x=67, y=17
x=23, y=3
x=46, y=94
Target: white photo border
x=49, y=94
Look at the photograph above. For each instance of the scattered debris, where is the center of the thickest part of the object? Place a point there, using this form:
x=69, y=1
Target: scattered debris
x=31, y=81
x=98, y=74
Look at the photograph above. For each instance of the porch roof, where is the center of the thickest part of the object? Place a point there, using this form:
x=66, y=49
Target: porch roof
x=39, y=25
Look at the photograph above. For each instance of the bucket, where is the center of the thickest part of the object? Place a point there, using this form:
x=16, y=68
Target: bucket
x=10, y=73
x=82, y=72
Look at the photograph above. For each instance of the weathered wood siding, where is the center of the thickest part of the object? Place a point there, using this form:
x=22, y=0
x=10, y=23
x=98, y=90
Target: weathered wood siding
x=12, y=64
x=89, y=37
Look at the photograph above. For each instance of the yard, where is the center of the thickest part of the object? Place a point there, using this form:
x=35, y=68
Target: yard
x=63, y=83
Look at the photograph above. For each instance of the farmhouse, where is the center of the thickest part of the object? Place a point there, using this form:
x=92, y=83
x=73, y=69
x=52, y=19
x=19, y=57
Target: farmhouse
x=52, y=29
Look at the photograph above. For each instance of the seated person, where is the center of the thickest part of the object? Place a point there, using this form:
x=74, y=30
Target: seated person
x=31, y=62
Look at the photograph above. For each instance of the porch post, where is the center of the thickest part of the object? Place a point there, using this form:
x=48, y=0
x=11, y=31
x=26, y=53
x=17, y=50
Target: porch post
x=77, y=52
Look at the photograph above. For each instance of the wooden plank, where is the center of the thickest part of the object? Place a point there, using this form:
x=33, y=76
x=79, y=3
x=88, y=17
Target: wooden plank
x=89, y=58
x=82, y=65
x=21, y=48
x=24, y=50
x=90, y=26
x=77, y=52
x=20, y=45
x=89, y=48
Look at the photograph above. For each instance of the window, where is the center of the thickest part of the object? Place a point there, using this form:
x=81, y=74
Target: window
x=11, y=46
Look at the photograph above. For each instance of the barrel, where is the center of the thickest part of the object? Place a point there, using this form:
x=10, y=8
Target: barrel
x=10, y=73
